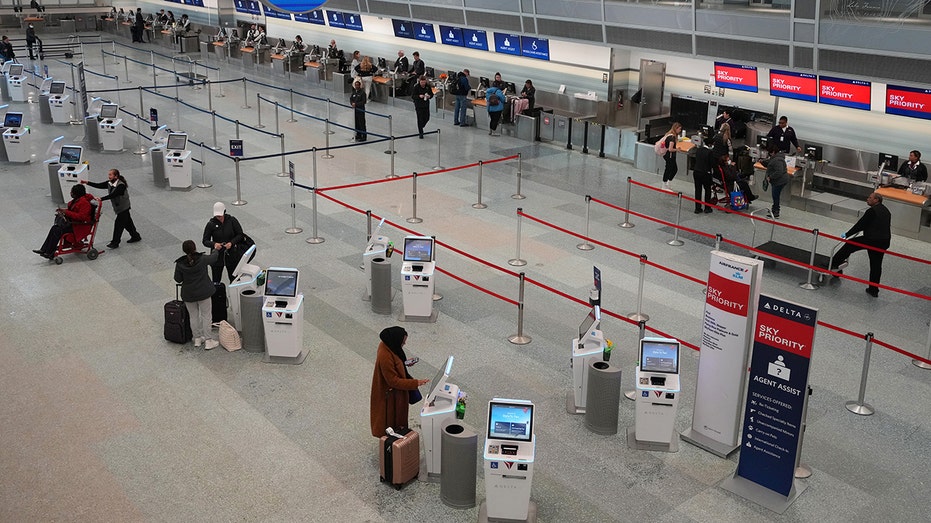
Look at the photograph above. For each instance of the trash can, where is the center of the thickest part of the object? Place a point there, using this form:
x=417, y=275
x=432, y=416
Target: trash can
x=157, y=154
x=458, y=465
x=603, y=399
x=53, y=184
x=253, y=328
x=381, y=285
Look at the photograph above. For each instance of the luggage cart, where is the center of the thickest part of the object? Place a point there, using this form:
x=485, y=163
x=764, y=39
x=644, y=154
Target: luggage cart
x=81, y=238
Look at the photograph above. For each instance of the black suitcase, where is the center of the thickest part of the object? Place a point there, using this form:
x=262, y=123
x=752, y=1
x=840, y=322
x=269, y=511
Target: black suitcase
x=218, y=302
x=177, y=320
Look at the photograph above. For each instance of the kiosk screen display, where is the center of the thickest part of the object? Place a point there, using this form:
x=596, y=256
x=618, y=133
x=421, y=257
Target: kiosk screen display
x=439, y=381
x=814, y=152
x=176, y=142
x=57, y=88
x=590, y=322
x=659, y=356
x=70, y=154
x=510, y=421
x=891, y=161
x=109, y=110
x=281, y=283
x=16, y=70
x=418, y=249
x=13, y=120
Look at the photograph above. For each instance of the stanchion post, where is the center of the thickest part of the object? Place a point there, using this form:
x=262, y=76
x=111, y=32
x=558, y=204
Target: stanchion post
x=368, y=226
x=74, y=104
x=258, y=108
x=520, y=174
x=119, y=92
x=390, y=143
x=520, y=338
x=807, y=284
x=245, y=95
x=103, y=58
x=126, y=71
x=859, y=407
x=209, y=95
x=414, y=218
x=154, y=72
x=717, y=241
x=639, y=315
x=326, y=137
x=277, y=119
x=237, y=129
x=479, y=204
x=292, y=119
x=802, y=470
x=284, y=170
x=327, y=130
x=631, y=393
x=920, y=364
x=516, y=261
x=438, y=165
x=239, y=200
x=585, y=246
x=315, y=239
x=391, y=159
x=220, y=94
x=626, y=223
x=203, y=166
x=213, y=123
x=294, y=229
x=139, y=148
x=675, y=241
x=113, y=50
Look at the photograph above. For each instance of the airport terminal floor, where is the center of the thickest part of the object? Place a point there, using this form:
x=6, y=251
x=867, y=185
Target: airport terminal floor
x=104, y=420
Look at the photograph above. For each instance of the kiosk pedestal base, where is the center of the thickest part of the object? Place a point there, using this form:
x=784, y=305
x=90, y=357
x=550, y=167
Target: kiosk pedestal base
x=418, y=319
x=721, y=450
x=761, y=495
x=571, y=407
x=635, y=444
x=288, y=360
x=483, y=515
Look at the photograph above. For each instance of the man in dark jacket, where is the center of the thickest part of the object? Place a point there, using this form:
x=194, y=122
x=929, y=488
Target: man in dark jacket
x=463, y=88
x=223, y=233
x=783, y=135
x=357, y=101
x=421, y=93
x=31, y=41
x=875, y=224
x=118, y=194
x=701, y=175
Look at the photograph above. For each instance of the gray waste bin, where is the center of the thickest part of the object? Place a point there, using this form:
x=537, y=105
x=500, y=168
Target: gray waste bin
x=457, y=465
x=54, y=185
x=253, y=329
x=157, y=154
x=381, y=285
x=45, y=112
x=92, y=133
x=603, y=399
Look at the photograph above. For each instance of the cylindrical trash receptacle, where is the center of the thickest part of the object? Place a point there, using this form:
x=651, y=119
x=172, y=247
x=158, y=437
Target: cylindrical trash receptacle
x=381, y=285
x=53, y=185
x=604, y=397
x=158, y=165
x=457, y=465
x=253, y=329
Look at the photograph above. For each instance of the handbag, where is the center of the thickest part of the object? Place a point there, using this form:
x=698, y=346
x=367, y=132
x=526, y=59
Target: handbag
x=229, y=337
x=62, y=221
x=738, y=201
x=414, y=396
x=766, y=183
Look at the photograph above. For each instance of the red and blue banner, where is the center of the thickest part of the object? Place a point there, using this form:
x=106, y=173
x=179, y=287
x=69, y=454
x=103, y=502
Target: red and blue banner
x=908, y=101
x=843, y=92
x=733, y=76
x=789, y=84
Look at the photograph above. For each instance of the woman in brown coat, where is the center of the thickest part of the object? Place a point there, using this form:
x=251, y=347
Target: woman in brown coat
x=391, y=383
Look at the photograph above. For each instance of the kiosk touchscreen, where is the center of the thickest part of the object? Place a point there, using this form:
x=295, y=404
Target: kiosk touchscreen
x=586, y=349
x=245, y=276
x=16, y=138
x=439, y=408
x=16, y=81
x=110, y=128
x=657, y=396
x=178, y=161
x=377, y=247
x=508, y=461
x=59, y=103
x=70, y=169
x=283, y=316
x=417, y=279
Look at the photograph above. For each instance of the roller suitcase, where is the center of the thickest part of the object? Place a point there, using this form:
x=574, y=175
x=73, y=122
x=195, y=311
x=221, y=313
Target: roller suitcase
x=177, y=321
x=218, y=301
x=400, y=458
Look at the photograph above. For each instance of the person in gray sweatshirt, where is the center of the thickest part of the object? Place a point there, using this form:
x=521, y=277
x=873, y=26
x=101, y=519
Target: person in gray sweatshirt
x=196, y=291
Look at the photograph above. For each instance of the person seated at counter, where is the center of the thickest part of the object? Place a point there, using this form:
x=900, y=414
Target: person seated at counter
x=251, y=35
x=727, y=171
x=297, y=46
x=782, y=135
x=499, y=83
x=221, y=34
x=35, y=5
x=913, y=169
x=262, y=39
x=525, y=101
x=161, y=17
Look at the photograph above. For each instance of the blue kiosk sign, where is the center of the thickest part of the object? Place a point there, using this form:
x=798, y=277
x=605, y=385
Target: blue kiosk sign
x=774, y=410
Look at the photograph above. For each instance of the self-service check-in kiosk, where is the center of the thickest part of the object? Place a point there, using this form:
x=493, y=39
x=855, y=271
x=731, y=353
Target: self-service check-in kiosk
x=439, y=407
x=657, y=397
x=245, y=276
x=15, y=82
x=16, y=138
x=110, y=128
x=71, y=169
x=178, y=162
x=417, y=279
x=45, y=112
x=510, y=445
x=586, y=349
x=377, y=247
x=53, y=153
x=4, y=86
x=59, y=103
x=283, y=317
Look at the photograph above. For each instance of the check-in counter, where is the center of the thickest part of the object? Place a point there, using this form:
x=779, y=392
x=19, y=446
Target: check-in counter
x=341, y=83
x=381, y=88
x=314, y=72
x=911, y=213
x=219, y=49
x=248, y=55
x=480, y=107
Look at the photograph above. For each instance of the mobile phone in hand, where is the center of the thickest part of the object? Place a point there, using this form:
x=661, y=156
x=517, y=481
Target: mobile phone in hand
x=410, y=362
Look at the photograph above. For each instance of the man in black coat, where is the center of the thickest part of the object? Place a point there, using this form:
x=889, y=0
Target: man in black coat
x=421, y=93
x=701, y=175
x=223, y=233
x=875, y=224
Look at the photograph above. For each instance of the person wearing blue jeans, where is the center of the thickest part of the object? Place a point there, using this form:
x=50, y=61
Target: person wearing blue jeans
x=777, y=174
x=462, y=103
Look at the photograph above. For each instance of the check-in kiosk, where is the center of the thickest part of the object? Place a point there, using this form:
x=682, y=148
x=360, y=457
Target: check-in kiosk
x=71, y=168
x=157, y=153
x=45, y=112
x=283, y=317
x=59, y=103
x=15, y=83
x=657, y=397
x=377, y=247
x=586, y=349
x=245, y=277
x=178, y=162
x=16, y=139
x=417, y=279
x=4, y=86
x=439, y=407
x=110, y=128
x=53, y=153
x=510, y=445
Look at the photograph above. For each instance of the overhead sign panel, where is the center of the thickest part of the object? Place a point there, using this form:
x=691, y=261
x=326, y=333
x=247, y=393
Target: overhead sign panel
x=451, y=35
x=475, y=39
x=908, y=101
x=788, y=84
x=507, y=43
x=535, y=47
x=734, y=76
x=424, y=32
x=843, y=92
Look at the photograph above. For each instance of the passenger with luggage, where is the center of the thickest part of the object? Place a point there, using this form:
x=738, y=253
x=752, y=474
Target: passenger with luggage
x=222, y=235
x=197, y=291
x=79, y=210
x=391, y=383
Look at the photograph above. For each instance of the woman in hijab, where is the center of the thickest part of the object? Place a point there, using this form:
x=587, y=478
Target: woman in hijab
x=391, y=383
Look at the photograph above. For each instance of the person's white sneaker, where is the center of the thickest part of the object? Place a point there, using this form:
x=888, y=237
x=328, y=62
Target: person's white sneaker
x=198, y=342
x=211, y=344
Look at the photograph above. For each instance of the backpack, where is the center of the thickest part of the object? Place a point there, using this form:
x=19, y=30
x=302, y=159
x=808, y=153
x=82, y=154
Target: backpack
x=454, y=87
x=660, y=147
x=493, y=99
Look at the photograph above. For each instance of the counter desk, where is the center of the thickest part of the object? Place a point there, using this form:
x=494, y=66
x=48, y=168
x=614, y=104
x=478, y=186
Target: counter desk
x=911, y=213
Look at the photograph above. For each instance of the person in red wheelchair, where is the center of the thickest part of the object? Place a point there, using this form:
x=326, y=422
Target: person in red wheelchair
x=79, y=211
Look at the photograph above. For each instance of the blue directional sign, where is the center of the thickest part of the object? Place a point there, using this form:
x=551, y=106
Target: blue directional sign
x=424, y=32
x=507, y=43
x=352, y=21
x=535, y=47
x=312, y=17
x=335, y=19
x=403, y=28
x=451, y=35
x=475, y=39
